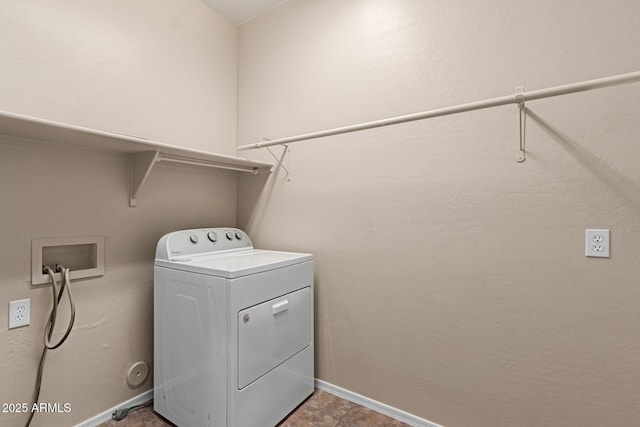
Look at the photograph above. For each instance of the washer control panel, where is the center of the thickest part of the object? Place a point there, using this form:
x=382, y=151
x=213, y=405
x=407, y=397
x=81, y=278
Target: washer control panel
x=201, y=241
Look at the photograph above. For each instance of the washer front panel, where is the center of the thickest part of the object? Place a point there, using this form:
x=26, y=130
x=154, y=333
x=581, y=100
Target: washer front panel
x=272, y=332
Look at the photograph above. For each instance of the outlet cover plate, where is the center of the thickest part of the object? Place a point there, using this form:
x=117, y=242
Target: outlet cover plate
x=597, y=243
x=19, y=313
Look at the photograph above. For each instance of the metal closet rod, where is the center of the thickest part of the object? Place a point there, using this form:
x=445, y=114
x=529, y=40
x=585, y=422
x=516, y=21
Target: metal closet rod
x=471, y=106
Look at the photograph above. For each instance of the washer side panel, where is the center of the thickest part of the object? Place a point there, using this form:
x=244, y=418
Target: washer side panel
x=190, y=348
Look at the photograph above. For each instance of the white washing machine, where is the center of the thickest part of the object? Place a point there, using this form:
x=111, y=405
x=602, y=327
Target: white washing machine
x=233, y=330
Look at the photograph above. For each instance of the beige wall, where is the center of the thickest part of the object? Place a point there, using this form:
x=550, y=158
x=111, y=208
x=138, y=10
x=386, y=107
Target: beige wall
x=451, y=280
x=163, y=70
x=159, y=69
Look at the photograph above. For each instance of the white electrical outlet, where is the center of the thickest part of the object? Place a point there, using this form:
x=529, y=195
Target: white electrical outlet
x=19, y=313
x=597, y=243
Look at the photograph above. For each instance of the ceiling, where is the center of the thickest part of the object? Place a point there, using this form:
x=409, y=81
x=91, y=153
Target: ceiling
x=241, y=11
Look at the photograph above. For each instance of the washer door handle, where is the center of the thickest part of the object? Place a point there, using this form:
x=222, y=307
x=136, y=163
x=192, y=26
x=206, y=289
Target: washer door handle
x=279, y=307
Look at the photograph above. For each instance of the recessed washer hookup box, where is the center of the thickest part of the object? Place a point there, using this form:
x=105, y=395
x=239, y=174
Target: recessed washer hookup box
x=84, y=256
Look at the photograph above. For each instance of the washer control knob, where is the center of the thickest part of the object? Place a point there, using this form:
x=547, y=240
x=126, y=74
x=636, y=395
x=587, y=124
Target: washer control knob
x=238, y=235
x=193, y=238
x=212, y=236
x=229, y=235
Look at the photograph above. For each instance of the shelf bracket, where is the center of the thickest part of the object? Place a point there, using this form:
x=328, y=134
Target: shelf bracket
x=141, y=165
x=522, y=112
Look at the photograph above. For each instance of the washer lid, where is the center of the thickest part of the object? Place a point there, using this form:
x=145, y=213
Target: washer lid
x=237, y=263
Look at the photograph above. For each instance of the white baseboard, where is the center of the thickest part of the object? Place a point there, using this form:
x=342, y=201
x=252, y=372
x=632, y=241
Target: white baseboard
x=384, y=409
x=106, y=415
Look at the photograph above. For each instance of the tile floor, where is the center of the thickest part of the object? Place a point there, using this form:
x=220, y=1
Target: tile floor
x=321, y=409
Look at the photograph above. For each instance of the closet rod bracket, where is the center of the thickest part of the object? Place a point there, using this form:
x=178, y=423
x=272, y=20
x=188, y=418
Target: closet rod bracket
x=522, y=113
x=281, y=159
